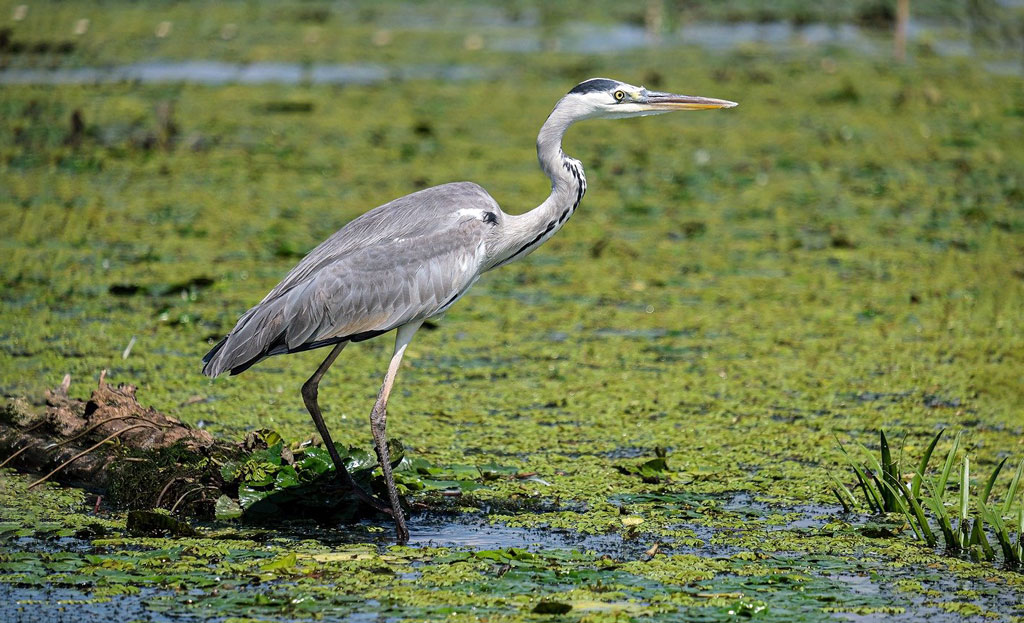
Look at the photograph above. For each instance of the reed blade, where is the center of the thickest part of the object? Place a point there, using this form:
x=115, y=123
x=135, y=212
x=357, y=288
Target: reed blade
x=843, y=494
x=994, y=520
x=965, y=493
x=978, y=538
x=915, y=484
x=922, y=521
x=1012, y=493
x=874, y=467
x=991, y=481
x=934, y=501
x=948, y=466
x=887, y=473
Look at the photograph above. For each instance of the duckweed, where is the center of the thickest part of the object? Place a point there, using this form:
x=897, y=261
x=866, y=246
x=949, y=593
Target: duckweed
x=839, y=254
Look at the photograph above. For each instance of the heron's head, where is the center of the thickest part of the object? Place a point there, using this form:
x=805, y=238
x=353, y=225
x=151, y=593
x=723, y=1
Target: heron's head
x=602, y=98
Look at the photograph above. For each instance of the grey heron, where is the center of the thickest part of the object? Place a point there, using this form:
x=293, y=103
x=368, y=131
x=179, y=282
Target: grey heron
x=412, y=258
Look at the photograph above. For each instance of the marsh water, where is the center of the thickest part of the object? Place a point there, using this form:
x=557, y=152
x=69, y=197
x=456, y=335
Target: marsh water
x=575, y=37
x=739, y=292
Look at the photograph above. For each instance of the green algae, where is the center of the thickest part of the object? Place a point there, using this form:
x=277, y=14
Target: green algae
x=839, y=254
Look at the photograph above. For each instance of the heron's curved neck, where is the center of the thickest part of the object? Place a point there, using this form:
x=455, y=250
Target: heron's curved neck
x=526, y=232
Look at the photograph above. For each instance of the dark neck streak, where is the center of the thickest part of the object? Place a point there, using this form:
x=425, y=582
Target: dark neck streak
x=573, y=168
x=525, y=232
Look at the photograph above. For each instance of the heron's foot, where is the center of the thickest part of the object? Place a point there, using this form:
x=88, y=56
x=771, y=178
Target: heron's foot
x=363, y=495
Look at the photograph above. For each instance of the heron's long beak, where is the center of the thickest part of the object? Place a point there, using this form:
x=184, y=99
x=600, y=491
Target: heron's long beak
x=655, y=100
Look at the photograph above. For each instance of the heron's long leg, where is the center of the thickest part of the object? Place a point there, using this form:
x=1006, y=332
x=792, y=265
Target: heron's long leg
x=378, y=424
x=310, y=391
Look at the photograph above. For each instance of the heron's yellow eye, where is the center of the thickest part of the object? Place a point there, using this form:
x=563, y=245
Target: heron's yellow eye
x=619, y=95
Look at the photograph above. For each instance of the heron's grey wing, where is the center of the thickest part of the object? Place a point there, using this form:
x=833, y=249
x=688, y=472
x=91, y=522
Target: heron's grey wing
x=415, y=215
x=364, y=292
x=385, y=286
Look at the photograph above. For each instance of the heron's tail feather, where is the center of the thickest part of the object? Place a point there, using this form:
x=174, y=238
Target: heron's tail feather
x=275, y=327
x=257, y=335
x=213, y=352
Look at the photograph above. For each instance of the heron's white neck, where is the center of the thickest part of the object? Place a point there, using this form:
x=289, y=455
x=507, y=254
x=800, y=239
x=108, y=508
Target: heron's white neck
x=525, y=232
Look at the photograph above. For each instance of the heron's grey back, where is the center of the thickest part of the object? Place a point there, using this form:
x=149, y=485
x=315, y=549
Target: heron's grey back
x=406, y=260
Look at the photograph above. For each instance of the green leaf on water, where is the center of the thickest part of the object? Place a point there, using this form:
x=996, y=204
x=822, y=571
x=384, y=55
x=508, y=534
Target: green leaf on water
x=286, y=477
x=226, y=508
x=652, y=471
x=229, y=470
x=315, y=461
x=357, y=460
x=287, y=562
x=492, y=471
x=247, y=496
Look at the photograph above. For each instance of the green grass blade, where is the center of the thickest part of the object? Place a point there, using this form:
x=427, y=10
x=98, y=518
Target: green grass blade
x=1020, y=535
x=991, y=481
x=978, y=538
x=898, y=505
x=1012, y=493
x=875, y=468
x=965, y=493
x=994, y=520
x=870, y=495
x=843, y=494
x=915, y=484
x=922, y=521
x=887, y=473
x=948, y=466
x=846, y=507
x=934, y=501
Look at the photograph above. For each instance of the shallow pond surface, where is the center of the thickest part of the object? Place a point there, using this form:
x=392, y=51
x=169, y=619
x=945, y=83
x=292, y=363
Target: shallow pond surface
x=218, y=73
x=841, y=253
x=471, y=563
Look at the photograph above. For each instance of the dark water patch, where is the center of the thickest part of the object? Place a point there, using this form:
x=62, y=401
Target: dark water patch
x=868, y=396
x=9, y=44
x=479, y=533
x=219, y=73
x=21, y=604
x=934, y=401
x=285, y=107
x=722, y=37
x=799, y=517
x=670, y=353
x=187, y=287
x=626, y=452
x=465, y=531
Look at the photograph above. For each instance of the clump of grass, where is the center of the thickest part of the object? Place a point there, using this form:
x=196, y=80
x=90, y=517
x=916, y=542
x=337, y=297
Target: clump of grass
x=883, y=491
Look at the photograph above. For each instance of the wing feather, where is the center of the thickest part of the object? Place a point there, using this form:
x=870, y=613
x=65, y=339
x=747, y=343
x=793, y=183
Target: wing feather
x=377, y=273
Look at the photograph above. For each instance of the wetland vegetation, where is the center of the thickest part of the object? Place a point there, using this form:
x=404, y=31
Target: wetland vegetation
x=639, y=421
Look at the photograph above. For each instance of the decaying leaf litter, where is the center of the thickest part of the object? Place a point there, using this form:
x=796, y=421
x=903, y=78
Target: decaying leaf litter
x=841, y=257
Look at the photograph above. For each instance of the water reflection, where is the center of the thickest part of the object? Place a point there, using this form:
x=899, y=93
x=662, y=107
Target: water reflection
x=216, y=73
x=572, y=37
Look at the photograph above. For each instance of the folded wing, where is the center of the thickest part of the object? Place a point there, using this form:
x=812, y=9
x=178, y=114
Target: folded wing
x=360, y=290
